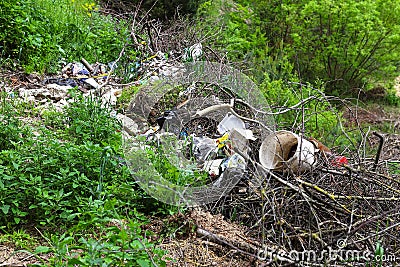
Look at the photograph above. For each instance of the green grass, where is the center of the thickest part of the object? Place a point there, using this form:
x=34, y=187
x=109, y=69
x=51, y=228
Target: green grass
x=39, y=34
x=20, y=238
x=67, y=180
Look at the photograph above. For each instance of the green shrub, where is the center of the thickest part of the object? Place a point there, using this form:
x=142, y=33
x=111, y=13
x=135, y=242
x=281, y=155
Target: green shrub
x=235, y=29
x=89, y=119
x=12, y=131
x=348, y=43
x=113, y=242
x=75, y=182
x=38, y=34
x=47, y=176
x=47, y=181
x=317, y=117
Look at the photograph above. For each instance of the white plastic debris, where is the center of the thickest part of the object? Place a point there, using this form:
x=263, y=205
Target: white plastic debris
x=239, y=143
x=231, y=122
x=204, y=148
x=234, y=161
x=92, y=82
x=110, y=97
x=285, y=150
x=213, y=167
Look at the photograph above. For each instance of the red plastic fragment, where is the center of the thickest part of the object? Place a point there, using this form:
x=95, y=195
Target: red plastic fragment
x=339, y=161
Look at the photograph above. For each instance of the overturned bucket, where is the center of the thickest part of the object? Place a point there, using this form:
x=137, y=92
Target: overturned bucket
x=284, y=150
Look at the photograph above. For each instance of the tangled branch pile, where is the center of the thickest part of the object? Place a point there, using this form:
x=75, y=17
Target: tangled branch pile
x=291, y=217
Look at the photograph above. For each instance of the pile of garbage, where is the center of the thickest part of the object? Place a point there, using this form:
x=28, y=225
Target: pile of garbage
x=54, y=91
x=227, y=148
x=154, y=68
x=231, y=141
x=90, y=78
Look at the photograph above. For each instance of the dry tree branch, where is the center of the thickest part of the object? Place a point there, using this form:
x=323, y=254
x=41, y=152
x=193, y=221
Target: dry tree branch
x=230, y=108
x=245, y=248
x=301, y=103
x=378, y=153
x=98, y=89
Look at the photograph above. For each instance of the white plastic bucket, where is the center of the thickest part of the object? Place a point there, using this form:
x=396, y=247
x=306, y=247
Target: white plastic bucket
x=284, y=150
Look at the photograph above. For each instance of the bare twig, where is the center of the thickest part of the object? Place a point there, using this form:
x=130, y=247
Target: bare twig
x=378, y=153
x=98, y=89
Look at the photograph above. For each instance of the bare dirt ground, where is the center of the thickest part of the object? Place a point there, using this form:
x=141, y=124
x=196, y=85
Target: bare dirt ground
x=211, y=241
x=10, y=256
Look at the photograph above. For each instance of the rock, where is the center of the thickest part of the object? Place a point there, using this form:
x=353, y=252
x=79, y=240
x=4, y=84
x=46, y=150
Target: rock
x=58, y=92
x=92, y=82
x=110, y=97
x=129, y=125
x=52, y=91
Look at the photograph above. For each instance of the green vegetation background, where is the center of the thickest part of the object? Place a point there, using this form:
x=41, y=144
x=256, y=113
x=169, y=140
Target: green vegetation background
x=64, y=172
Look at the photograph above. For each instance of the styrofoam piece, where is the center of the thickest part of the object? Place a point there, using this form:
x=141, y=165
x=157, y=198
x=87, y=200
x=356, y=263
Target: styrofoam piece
x=231, y=122
x=284, y=150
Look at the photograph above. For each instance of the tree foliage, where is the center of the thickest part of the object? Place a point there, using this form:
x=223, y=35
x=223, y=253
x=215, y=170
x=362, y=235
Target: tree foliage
x=38, y=34
x=346, y=43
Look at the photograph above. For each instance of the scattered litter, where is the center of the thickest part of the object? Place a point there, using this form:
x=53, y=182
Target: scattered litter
x=339, y=161
x=213, y=167
x=227, y=145
x=234, y=161
x=230, y=122
x=204, y=148
x=170, y=122
x=92, y=82
x=334, y=160
x=110, y=97
x=284, y=150
x=61, y=81
x=193, y=53
x=223, y=140
x=150, y=133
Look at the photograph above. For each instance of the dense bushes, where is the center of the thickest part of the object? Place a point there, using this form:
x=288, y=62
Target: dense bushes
x=235, y=31
x=346, y=44
x=69, y=176
x=38, y=34
x=48, y=176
